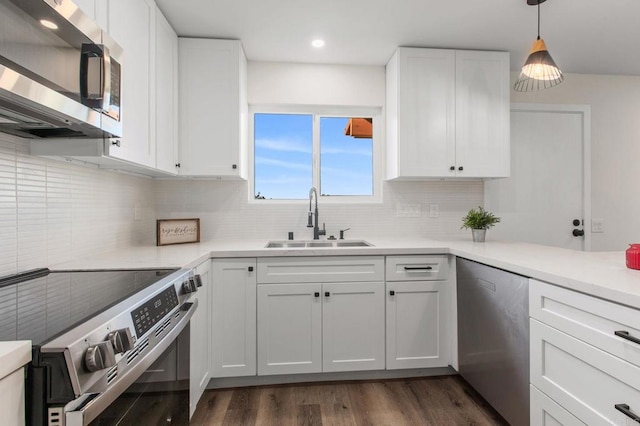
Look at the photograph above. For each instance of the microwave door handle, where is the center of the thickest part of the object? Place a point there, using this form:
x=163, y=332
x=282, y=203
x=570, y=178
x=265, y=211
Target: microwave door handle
x=90, y=50
x=106, y=78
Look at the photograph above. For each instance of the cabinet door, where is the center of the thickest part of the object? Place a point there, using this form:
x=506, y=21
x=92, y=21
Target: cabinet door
x=424, y=140
x=482, y=114
x=353, y=326
x=418, y=324
x=12, y=398
x=213, y=108
x=199, y=362
x=233, y=317
x=289, y=328
x=166, y=105
x=132, y=25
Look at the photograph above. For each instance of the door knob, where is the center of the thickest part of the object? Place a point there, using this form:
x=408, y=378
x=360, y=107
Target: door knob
x=578, y=232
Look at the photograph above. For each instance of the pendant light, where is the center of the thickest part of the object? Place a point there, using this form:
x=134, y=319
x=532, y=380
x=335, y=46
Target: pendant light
x=539, y=71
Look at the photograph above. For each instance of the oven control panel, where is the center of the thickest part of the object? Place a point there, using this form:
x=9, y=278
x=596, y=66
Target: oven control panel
x=153, y=310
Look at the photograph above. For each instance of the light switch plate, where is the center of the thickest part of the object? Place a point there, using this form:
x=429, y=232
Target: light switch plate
x=597, y=225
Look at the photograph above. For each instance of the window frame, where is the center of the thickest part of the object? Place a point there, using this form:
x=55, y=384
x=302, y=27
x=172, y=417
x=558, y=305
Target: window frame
x=318, y=112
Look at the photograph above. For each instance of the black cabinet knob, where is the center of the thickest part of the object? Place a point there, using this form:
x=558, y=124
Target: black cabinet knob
x=452, y=168
x=234, y=166
x=392, y=293
x=327, y=294
x=250, y=268
x=115, y=142
x=316, y=294
x=178, y=165
x=461, y=168
x=578, y=232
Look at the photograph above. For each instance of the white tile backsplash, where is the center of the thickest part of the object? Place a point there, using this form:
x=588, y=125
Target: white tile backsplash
x=225, y=212
x=54, y=211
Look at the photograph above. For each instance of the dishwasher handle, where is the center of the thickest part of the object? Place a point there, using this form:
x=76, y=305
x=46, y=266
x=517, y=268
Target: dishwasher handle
x=418, y=268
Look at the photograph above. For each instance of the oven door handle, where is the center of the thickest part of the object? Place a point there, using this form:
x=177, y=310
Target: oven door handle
x=90, y=406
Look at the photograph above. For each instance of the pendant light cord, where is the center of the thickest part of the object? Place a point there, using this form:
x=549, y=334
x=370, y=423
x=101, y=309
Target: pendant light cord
x=538, y=19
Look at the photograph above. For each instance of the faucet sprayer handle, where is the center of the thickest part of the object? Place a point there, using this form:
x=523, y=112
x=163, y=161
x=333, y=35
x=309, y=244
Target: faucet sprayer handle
x=342, y=231
x=310, y=220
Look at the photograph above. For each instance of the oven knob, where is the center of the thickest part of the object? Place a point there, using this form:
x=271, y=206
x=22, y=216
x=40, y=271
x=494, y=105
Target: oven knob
x=198, y=279
x=99, y=356
x=121, y=340
x=189, y=286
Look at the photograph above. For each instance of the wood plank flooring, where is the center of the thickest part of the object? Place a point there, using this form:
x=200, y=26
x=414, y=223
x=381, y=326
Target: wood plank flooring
x=443, y=400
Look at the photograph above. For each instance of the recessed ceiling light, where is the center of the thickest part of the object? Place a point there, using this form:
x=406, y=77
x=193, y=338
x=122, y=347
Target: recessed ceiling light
x=48, y=24
x=317, y=43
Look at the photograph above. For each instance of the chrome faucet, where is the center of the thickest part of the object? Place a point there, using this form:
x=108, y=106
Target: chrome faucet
x=311, y=223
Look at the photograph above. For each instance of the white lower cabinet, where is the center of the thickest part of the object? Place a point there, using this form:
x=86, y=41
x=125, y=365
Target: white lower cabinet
x=315, y=321
x=583, y=355
x=419, y=316
x=418, y=324
x=199, y=368
x=233, y=318
x=545, y=411
x=289, y=328
x=12, y=398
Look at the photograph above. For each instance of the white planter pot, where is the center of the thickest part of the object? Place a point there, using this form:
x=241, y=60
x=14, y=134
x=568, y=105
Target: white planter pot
x=478, y=235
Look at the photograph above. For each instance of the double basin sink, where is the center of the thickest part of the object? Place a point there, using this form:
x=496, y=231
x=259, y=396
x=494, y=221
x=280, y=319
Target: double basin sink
x=293, y=244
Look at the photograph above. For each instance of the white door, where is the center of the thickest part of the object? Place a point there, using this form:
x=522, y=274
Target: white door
x=233, y=317
x=353, y=326
x=418, y=326
x=289, y=328
x=199, y=362
x=549, y=184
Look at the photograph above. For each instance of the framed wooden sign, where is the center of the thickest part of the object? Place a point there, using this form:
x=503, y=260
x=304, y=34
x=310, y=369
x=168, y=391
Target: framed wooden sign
x=177, y=231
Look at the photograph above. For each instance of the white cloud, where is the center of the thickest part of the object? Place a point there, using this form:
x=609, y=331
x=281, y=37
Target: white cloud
x=284, y=145
x=345, y=151
x=291, y=165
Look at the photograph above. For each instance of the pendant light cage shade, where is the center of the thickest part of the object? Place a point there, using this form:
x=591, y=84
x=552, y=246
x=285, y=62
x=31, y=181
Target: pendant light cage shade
x=539, y=71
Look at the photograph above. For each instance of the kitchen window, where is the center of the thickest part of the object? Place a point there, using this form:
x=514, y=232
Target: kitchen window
x=335, y=150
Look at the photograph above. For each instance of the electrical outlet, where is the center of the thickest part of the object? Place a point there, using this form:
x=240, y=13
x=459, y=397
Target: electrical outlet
x=597, y=225
x=408, y=210
x=434, y=210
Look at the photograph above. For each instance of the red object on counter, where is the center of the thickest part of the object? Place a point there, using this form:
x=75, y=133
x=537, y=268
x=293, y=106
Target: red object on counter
x=633, y=256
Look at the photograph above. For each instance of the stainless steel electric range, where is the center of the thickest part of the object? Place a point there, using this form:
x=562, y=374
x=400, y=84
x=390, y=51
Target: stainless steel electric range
x=109, y=347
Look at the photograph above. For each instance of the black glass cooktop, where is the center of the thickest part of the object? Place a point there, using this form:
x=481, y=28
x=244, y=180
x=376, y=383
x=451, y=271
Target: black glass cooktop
x=41, y=304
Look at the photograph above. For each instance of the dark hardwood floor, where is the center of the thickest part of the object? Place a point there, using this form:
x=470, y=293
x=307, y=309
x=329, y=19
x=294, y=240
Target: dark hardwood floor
x=443, y=400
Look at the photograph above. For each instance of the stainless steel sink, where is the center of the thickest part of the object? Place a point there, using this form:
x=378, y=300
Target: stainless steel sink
x=318, y=244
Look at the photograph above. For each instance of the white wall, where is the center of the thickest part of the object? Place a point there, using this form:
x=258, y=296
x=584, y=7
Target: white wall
x=52, y=211
x=224, y=208
x=615, y=149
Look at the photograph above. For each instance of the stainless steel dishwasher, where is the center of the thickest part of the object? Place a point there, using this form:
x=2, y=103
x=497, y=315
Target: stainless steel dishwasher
x=493, y=337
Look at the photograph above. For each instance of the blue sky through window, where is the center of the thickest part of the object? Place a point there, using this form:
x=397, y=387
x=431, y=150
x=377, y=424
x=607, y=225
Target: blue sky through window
x=283, y=157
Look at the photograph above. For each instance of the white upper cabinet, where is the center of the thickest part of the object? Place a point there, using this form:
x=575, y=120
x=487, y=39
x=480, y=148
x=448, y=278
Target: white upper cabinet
x=447, y=114
x=132, y=25
x=213, y=108
x=166, y=105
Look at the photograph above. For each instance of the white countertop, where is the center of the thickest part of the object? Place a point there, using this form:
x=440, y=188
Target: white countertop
x=602, y=274
x=14, y=355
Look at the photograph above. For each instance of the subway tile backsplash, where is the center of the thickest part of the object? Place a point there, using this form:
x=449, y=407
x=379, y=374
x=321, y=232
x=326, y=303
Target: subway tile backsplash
x=54, y=211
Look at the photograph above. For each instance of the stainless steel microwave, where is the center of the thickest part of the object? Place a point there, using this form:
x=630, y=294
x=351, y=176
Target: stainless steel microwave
x=60, y=74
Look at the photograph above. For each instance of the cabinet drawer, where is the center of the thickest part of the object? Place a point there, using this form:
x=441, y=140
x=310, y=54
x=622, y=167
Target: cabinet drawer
x=417, y=268
x=588, y=318
x=331, y=269
x=547, y=412
x=583, y=379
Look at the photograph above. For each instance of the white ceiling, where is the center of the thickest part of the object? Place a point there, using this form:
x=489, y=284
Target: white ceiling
x=583, y=36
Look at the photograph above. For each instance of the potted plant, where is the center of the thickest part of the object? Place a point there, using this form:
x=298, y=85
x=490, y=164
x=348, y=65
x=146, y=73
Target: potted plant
x=479, y=220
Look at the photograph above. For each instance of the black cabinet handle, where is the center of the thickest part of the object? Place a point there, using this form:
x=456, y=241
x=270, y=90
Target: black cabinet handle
x=418, y=268
x=234, y=166
x=452, y=168
x=626, y=410
x=178, y=165
x=316, y=294
x=327, y=294
x=625, y=335
x=578, y=232
x=392, y=293
x=461, y=168
x=250, y=268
